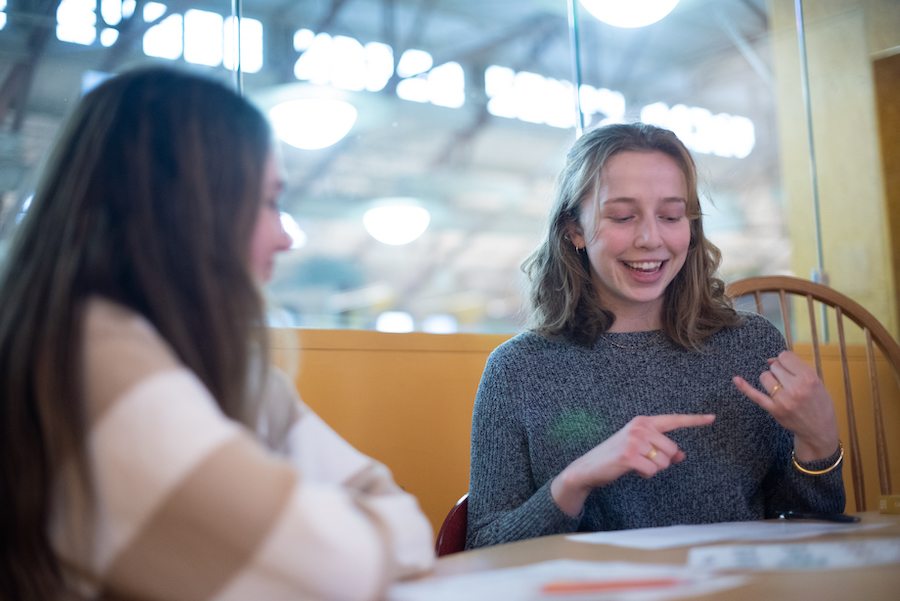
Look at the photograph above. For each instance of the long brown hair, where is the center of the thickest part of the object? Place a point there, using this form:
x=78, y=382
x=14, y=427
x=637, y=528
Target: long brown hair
x=149, y=199
x=564, y=302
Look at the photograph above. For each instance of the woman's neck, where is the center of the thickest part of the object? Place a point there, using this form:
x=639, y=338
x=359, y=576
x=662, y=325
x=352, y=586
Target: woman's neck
x=638, y=319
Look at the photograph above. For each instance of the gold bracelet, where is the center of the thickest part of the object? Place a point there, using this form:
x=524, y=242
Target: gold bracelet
x=819, y=472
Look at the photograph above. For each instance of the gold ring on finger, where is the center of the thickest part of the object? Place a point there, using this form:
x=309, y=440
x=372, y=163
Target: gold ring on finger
x=775, y=389
x=652, y=453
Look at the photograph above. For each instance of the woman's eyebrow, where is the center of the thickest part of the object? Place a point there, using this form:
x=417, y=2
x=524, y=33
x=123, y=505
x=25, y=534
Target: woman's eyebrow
x=620, y=200
x=630, y=201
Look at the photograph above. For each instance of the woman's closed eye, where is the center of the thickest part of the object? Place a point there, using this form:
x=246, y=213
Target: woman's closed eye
x=672, y=213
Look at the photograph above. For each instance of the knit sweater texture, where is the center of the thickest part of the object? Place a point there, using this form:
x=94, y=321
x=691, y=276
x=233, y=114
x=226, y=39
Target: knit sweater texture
x=543, y=403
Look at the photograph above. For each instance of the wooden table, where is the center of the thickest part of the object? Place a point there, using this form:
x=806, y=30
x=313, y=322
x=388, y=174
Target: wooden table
x=851, y=584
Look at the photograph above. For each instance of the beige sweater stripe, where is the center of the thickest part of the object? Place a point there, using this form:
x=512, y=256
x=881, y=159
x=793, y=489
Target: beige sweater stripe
x=120, y=351
x=202, y=550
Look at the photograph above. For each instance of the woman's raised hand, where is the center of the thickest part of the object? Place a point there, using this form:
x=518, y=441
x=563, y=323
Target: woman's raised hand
x=641, y=446
x=798, y=400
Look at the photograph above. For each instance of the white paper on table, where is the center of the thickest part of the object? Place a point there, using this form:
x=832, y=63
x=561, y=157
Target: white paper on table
x=677, y=536
x=524, y=583
x=797, y=556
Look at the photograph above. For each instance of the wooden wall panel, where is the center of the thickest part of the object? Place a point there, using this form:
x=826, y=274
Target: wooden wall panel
x=887, y=100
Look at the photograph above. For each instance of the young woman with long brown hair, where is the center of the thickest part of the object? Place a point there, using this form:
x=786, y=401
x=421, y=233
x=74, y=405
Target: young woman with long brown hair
x=627, y=403
x=146, y=449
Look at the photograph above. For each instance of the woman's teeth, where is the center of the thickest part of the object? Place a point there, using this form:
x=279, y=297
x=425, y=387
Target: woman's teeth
x=646, y=266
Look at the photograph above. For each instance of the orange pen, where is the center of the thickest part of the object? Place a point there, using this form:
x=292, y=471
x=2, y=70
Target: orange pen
x=575, y=587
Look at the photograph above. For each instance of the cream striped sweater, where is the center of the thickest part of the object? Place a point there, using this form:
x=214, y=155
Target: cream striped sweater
x=190, y=505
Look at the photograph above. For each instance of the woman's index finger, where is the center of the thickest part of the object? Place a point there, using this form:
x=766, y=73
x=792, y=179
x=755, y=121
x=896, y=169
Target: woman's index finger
x=673, y=421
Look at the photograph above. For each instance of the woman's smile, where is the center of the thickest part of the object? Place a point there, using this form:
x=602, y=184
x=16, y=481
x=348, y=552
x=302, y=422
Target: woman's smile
x=644, y=266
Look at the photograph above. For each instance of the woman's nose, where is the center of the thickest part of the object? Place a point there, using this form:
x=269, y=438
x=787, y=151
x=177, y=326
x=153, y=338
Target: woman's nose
x=647, y=235
x=285, y=241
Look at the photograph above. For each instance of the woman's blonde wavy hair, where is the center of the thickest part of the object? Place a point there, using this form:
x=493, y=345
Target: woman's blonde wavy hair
x=564, y=302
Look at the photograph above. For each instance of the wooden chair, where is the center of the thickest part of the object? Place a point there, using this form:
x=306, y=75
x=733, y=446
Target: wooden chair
x=452, y=536
x=867, y=402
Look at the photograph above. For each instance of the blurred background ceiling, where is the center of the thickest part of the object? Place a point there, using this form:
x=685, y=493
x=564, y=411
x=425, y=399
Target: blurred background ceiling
x=486, y=180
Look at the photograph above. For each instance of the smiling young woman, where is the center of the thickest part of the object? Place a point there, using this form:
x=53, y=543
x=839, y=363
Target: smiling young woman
x=637, y=236
x=628, y=404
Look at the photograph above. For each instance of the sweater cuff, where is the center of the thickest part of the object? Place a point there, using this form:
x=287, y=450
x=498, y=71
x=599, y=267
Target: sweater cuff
x=819, y=464
x=564, y=522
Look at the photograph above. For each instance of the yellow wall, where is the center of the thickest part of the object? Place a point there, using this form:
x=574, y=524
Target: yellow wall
x=842, y=37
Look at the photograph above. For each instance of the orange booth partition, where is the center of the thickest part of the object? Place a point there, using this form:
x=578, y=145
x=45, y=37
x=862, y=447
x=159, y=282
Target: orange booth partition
x=404, y=399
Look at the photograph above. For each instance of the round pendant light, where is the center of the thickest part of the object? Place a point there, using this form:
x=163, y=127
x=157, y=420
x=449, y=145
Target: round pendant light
x=312, y=123
x=629, y=13
x=396, y=221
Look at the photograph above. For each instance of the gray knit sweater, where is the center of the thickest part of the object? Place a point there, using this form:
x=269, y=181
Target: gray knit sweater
x=541, y=404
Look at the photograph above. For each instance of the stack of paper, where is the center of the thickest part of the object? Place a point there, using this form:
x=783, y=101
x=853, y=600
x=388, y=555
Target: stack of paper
x=560, y=579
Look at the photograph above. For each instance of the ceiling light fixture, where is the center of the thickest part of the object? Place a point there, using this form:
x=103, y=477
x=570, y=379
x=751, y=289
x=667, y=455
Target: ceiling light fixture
x=396, y=220
x=312, y=123
x=397, y=322
x=633, y=13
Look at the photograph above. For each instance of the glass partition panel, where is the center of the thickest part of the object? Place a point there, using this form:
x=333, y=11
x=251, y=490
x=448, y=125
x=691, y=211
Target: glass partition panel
x=420, y=139
x=53, y=51
x=465, y=110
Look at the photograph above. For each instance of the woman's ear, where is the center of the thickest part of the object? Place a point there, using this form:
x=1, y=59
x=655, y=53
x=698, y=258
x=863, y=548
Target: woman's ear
x=576, y=233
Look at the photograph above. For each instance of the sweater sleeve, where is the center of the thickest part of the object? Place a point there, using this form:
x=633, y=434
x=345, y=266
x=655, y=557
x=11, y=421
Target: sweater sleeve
x=505, y=504
x=324, y=458
x=189, y=505
x=789, y=489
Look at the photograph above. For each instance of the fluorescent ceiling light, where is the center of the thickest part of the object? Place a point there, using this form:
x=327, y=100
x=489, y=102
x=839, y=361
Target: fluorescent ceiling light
x=109, y=36
x=153, y=11
x=412, y=62
x=312, y=123
x=629, y=13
